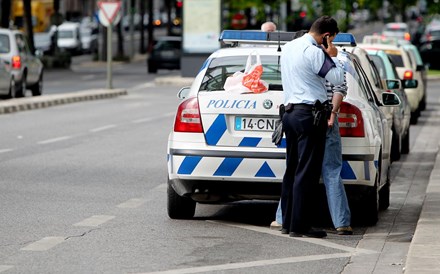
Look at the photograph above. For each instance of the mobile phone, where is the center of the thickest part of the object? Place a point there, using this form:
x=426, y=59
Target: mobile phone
x=324, y=41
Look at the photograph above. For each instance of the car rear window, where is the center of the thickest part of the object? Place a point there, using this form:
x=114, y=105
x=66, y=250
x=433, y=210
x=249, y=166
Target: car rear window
x=396, y=57
x=5, y=46
x=161, y=45
x=379, y=65
x=221, y=68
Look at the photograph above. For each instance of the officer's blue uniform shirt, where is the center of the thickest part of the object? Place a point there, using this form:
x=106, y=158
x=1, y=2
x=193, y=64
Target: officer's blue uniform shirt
x=304, y=70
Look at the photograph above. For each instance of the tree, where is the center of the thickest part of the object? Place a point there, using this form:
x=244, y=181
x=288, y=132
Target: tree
x=5, y=14
x=28, y=20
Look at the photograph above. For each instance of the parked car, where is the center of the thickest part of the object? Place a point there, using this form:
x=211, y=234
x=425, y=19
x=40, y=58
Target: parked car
x=43, y=42
x=166, y=54
x=69, y=37
x=26, y=67
x=7, y=81
x=220, y=148
x=89, y=39
x=404, y=68
x=430, y=46
x=397, y=30
x=402, y=114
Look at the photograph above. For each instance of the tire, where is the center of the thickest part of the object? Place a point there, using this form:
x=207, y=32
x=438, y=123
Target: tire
x=384, y=196
x=395, y=147
x=179, y=207
x=21, y=90
x=423, y=103
x=405, y=143
x=371, y=206
x=37, y=88
x=414, y=117
x=12, y=89
x=152, y=68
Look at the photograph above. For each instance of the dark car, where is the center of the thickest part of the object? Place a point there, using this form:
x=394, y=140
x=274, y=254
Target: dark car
x=165, y=54
x=430, y=46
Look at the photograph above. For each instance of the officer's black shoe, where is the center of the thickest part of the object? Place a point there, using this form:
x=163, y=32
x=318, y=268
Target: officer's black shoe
x=310, y=233
x=284, y=231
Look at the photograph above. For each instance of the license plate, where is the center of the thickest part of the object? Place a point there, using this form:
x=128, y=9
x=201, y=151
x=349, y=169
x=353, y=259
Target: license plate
x=167, y=54
x=254, y=123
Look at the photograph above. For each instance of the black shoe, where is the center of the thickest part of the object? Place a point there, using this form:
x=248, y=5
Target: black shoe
x=310, y=233
x=284, y=231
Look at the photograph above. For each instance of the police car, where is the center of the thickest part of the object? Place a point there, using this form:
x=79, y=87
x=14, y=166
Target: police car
x=220, y=148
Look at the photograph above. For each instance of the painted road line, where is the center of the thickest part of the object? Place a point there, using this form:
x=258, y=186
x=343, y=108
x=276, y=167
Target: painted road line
x=5, y=267
x=149, y=119
x=6, y=150
x=143, y=86
x=44, y=244
x=262, y=263
x=102, y=128
x=132, y=203
x=95, y=220
x=54, y=140
x=321, y=242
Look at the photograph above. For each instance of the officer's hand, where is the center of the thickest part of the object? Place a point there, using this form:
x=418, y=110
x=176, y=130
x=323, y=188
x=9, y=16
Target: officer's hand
x=331, y=49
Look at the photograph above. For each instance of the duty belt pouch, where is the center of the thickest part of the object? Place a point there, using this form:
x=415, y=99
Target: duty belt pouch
x=319, y=113
x=277, y=135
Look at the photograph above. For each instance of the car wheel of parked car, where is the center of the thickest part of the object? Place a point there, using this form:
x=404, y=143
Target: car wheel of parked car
x=414, y=117
x=12, y=89
x=384, y=196
x=422, y=105
x=395, y=146
x=21, y=91
x=37, y=88
x=179, y=207
x=152, y=68
x=405, y=143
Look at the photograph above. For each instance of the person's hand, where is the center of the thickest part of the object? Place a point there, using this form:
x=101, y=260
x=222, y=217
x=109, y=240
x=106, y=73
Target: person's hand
x=331, y=49
x=331, y=121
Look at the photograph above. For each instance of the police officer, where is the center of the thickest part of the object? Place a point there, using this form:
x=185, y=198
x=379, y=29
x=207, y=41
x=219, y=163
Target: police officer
x=305, y=67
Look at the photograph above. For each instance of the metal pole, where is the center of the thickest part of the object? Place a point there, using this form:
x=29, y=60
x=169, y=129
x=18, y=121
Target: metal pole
x=109, y=56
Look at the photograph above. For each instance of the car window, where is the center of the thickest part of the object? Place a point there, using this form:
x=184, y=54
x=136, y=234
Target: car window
x=221, y=68
x=416, y=55
x=170, y=45
x=65, y=34
x=365, y=84
x=378, y=62
x=22, y=44
x=5, y=46
x=396, y=56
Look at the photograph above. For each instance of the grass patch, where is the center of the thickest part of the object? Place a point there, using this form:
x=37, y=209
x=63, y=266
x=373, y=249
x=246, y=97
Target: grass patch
x=433, y=72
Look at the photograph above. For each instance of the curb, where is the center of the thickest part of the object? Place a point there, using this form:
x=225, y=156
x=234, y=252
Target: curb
x=29, y=103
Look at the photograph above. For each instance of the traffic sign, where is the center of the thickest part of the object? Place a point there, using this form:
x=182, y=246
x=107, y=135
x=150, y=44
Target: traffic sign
x=110, y=10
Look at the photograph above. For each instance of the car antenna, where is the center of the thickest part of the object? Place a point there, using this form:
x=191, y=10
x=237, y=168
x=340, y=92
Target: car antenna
x=279, y=38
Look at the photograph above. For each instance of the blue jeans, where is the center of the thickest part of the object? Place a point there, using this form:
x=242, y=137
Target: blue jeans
x=331, y=175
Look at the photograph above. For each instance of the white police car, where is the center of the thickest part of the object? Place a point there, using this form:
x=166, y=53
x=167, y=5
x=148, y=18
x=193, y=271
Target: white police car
x=220, y=148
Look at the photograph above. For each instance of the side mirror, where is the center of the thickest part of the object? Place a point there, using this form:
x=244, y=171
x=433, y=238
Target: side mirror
x=420, y=68
x=392, y=84
x=390, y=99
x=183, y=93
x=410, y=83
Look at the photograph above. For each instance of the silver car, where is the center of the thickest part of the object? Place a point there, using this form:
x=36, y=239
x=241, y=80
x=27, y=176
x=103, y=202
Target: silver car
x=25, y=66
x=7, y=82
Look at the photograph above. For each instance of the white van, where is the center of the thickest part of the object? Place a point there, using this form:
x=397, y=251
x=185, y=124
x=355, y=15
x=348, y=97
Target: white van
x=69, y=37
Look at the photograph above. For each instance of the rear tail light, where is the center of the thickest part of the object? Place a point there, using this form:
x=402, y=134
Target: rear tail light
x=351, y=123
x=407, y=36
x=16, y=62
x=188, y=117
x=408, y=75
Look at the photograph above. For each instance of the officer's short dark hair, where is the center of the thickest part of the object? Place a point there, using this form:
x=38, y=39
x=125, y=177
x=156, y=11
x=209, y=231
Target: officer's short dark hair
x=325, y=24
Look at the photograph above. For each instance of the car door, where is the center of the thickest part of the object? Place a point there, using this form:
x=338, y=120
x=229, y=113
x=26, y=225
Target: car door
x=4, y=78
x=30, y=61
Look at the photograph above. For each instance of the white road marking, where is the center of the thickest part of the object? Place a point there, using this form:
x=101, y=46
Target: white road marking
x=149, y=119
x=6, y=150
x=316, y=241
x=5, y=267
x=54, y=140
x=88, y=77
x=145, y=85
x=44, y=244
x=95, y=220
x=102, y=128
x=132, y=203
x=230, y=266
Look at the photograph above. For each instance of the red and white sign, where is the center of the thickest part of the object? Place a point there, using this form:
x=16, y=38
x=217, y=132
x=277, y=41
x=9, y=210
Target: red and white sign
x=109, y=10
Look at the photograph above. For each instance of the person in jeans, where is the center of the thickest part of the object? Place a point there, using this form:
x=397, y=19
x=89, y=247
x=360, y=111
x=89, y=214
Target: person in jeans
x=331, y=169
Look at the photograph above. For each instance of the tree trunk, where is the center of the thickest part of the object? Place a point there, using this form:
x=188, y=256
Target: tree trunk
x=141, y=27
x=28, y=24
x=5, y=14
x=150, y=25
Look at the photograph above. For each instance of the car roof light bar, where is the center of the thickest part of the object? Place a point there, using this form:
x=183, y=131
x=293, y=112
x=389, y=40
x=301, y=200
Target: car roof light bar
x=344, y=39
x=236, y=37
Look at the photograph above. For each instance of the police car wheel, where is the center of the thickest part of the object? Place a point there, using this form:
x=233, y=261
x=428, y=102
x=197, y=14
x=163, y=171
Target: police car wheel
x=405, y=143
x=179, y=207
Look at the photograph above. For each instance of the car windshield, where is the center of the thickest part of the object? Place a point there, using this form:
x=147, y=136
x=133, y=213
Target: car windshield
x=162, y=44
x=221, y=68
x=4, y=43
x=65, y=34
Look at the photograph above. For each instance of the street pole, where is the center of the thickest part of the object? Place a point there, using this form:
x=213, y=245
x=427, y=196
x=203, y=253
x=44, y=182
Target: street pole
x=109, y=56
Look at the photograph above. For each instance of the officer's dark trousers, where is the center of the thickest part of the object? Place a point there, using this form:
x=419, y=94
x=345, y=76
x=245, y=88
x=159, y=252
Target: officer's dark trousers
x=305, y=145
